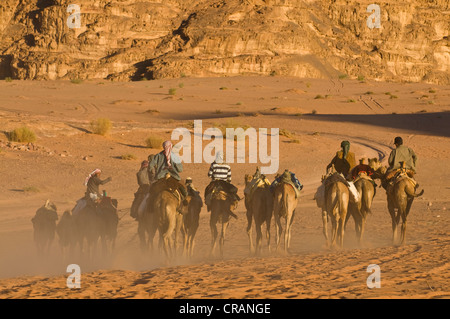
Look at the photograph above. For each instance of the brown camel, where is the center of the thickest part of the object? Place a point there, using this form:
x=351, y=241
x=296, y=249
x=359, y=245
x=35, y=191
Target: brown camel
x=165, y=204
x=109, y=220
x=66, y=233
x=147, y=225
x=259, y=205
x=400, y=197
x=361, y=209
x=336, y=203
x=97, y=222
x=221, y=212
x=284, y=204
x=191, y=216
x=44, y=226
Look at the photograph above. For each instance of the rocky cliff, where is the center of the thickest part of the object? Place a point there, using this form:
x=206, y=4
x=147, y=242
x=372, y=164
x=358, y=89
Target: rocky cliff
x=135, y=39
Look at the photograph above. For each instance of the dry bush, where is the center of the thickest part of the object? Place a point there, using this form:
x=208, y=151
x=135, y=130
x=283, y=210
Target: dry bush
x=101, y=126
x=22, y=135
x=154, y=142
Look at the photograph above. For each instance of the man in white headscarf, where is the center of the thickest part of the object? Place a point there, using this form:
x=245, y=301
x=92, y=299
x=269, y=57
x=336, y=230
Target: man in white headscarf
x=220, y=171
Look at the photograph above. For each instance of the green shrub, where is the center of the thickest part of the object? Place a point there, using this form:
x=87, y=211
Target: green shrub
x=181, y=85
x=361, y=78
x=101, y=126
x=8, y=79
x=22, y=135
x=342, y=76
x=76, y=81
x=154, y=142
x=172, y=91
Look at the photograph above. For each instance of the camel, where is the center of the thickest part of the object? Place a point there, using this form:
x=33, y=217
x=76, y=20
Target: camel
x=191, y=215
x=109, y=220
x=259, y=205
x=66, y=233
x=94, y=223
x=336, y=205
x=221, y=212
x=147, y=225
x=400, y=197
x=165, y=204
x=44, y=226
x=361, y=209
x=284, y=204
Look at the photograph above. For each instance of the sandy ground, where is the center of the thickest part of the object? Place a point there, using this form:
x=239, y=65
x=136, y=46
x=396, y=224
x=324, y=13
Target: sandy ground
x=363, y=113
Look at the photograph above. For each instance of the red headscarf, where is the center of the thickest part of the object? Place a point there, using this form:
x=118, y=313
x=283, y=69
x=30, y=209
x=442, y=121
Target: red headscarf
x=167, y=151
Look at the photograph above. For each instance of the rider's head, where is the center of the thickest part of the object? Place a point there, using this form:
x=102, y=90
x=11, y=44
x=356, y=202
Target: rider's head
x=144, y=164
x=345, y=148
x=219, y=157
x=398, y=141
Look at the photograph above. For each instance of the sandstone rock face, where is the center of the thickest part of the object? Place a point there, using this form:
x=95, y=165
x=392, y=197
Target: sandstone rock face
x=131, y=40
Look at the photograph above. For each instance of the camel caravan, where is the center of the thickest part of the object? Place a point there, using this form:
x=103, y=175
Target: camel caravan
x=165, y=205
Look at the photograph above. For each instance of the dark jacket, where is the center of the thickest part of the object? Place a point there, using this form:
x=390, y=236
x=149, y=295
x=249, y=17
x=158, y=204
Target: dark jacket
x=143, y=177
x=94, y=183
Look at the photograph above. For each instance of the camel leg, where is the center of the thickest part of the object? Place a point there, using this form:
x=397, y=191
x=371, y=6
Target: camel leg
x=287, y=232
x=222, y=237
x=268, y=221
x=357, y=220
x=363, y=225
x=279, y=230
x=324, y=227
x=191, y=245
x=142, y=241
x=249, y=231
x=333, y=231
x=394, y=223
x=258, y=238
x=214, y=233
x=403, y=213
x=341, y=230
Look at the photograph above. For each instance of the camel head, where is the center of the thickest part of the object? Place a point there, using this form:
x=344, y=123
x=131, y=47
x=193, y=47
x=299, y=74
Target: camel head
x=247, y=179
x=374, y=163
x=49, y=205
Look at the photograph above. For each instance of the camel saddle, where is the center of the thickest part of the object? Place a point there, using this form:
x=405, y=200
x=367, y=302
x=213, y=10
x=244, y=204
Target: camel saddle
x=286, y=178
x=218, y=190
x=169, y=184
x=261, y=181
x=337, y=177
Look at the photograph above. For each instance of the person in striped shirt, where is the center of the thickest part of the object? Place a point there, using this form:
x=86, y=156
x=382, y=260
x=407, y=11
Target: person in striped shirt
x=220, y=171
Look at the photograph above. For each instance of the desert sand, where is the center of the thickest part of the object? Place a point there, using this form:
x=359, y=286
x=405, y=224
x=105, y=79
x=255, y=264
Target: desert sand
x=369, y=114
